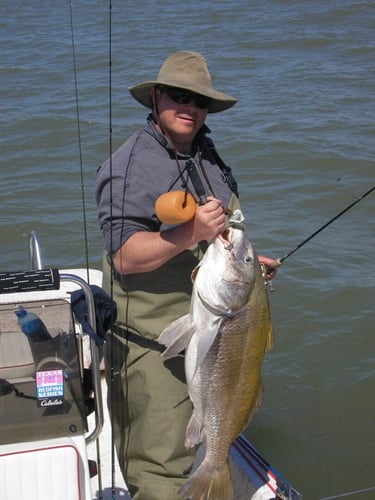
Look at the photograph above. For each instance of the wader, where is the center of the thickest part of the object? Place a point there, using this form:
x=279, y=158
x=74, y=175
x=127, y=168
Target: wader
x=149, y=431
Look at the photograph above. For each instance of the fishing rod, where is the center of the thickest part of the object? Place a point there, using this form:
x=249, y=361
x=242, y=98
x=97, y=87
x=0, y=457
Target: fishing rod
x=277, y=262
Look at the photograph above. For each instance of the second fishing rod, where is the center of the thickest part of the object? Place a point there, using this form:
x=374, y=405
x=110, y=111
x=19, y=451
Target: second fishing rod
x=277, y=262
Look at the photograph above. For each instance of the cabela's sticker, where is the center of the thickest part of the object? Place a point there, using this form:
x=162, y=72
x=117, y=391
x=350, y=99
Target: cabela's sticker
x=50, y=388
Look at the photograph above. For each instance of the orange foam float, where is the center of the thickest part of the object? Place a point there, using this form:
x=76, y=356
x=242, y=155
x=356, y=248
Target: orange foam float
x=175, y=207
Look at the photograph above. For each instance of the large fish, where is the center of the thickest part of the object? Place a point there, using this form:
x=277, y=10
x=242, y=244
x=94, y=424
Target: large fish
x=225, y=335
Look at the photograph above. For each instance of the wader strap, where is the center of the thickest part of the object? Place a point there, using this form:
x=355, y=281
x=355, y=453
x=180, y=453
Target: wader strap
x=226, y=171
x=137, y=339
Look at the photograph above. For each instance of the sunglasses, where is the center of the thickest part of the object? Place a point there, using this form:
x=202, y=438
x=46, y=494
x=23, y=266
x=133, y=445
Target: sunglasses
x=181, y=96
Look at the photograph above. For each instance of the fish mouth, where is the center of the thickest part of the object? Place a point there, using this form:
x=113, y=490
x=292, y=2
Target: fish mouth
x=237, y=221
x=224, y=238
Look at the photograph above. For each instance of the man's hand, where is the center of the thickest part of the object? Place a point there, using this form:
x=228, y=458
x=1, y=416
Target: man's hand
x=270, y=266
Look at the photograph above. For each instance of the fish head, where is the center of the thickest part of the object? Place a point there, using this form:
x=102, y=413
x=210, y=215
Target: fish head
x=227, y=270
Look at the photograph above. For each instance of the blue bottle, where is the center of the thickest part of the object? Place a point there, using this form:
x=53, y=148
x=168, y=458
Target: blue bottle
x=31, y=325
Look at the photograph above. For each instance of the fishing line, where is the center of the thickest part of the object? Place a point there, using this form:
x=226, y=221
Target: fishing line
x=79, y=142
x=110, y=388
x=121, y=348
x=86, y=243
x=277, y=262
x=349, y=493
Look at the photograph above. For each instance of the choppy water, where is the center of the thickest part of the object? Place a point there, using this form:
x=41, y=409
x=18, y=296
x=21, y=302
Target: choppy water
x=301, y=142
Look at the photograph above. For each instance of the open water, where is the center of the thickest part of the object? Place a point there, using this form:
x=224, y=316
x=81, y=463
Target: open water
x=301, y=142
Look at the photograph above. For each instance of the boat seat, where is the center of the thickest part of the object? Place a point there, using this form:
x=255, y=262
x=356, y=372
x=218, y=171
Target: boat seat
x=50, y=470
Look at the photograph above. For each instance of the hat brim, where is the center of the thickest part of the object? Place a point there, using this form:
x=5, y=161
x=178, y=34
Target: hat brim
x=219, y=100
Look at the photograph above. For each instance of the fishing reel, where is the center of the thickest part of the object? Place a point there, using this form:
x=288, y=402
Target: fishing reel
x=268, y=283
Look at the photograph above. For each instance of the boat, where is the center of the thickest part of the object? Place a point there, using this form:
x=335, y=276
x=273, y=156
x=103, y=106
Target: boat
x=55, y=437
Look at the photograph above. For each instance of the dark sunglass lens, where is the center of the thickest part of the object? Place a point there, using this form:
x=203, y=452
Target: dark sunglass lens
x=181, y=96
x=201, y=101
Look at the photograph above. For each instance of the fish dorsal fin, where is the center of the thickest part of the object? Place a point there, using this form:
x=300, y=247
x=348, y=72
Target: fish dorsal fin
x=176, y=337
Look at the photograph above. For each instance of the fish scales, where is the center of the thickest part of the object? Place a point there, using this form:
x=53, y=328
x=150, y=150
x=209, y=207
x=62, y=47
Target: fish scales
x=231, y=371
x=225, y=334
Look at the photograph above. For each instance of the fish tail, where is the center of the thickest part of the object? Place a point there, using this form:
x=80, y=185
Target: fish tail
x=208, y=483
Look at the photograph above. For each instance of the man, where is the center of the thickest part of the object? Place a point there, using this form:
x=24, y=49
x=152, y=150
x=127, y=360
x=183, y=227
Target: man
x=149, y=263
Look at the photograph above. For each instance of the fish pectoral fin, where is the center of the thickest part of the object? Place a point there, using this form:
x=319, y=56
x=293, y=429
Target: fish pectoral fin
x=206, y=337
x=176, y=337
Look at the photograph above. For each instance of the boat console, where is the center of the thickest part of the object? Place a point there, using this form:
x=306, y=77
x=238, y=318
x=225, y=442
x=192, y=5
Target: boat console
x=43, y=402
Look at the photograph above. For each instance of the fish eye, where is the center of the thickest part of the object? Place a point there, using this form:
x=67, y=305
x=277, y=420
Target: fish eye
x=248, y=259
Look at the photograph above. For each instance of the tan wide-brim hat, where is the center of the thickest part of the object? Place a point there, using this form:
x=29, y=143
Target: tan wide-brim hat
x=185, y=70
